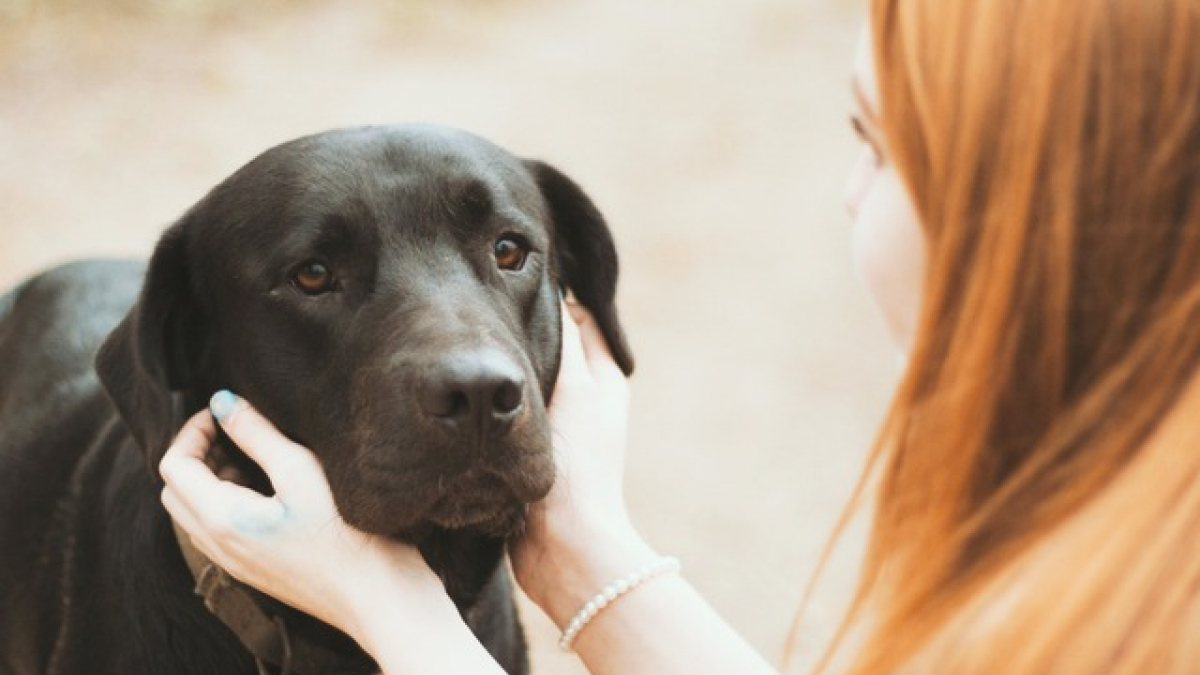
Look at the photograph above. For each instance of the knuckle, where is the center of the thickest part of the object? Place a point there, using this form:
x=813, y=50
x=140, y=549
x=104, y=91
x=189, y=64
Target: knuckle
x=293, y=456
x=219, y=523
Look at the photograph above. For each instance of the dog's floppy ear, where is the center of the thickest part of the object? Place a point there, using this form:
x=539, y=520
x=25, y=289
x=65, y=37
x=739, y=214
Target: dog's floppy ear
x=151, y=354
x=585, y=255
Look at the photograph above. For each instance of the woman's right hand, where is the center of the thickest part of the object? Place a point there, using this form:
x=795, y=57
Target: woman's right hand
x=581, y=531
x=293, y=545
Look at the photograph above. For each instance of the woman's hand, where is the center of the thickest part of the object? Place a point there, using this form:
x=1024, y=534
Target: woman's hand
x=293, y=546
x=581, y=531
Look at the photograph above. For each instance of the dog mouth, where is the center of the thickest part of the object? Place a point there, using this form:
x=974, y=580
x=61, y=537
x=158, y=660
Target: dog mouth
x=478, y=501
x=500, y=521
x=408, y=501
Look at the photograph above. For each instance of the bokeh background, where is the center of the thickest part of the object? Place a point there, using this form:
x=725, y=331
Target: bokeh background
x=712, y=133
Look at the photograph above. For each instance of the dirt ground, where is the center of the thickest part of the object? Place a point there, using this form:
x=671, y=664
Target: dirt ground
x=712, y=133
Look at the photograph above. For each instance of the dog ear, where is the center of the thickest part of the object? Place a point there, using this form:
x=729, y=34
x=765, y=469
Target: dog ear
x=150, y=356
x=585, y=255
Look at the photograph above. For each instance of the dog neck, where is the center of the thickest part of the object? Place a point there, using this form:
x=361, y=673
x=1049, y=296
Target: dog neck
x=265, y=635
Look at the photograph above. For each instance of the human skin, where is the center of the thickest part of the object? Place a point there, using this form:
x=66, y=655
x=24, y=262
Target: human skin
x=888, y=246
x=579, y=538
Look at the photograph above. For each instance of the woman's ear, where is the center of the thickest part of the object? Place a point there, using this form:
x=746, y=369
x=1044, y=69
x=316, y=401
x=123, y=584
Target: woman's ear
x=151, y=355
x=584, y=255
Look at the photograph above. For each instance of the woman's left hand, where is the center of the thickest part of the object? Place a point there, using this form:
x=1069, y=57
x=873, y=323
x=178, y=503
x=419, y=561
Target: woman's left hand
x=293, y=546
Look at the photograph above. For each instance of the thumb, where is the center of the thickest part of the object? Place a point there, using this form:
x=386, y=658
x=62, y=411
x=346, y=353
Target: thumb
x=574, y=367
x=255, y=435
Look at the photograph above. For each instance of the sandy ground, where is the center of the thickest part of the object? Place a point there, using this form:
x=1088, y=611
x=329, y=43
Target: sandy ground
x=712, y=133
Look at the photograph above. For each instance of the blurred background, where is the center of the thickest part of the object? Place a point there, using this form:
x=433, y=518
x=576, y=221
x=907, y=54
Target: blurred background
x=712, y=133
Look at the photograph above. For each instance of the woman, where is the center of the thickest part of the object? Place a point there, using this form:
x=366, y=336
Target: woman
x=1028, y=218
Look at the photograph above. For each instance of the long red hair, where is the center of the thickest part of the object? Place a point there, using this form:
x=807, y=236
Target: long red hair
x=1038, y=474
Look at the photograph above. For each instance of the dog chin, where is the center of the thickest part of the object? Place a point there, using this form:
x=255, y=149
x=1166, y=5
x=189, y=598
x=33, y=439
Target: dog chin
x=501, y=522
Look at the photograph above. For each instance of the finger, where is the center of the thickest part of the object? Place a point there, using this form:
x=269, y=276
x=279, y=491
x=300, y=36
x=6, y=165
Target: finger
x=191, y=524
x=574, y=366
x=183, y=465
x=595, y=347
x=254, y=434
x=229, y=512
x=193, y=482
x=196, y=436
x=181, y=512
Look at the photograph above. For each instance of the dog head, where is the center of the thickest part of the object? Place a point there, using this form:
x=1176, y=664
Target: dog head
x=389, y=297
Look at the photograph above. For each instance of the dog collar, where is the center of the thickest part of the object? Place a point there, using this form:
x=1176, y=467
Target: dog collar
x=266, y=636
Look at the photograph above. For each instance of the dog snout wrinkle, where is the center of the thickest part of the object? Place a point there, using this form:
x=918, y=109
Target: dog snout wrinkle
x=476, y=394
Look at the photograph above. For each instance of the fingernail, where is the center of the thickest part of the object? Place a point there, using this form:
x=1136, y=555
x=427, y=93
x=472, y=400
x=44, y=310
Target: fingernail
x=222, y=404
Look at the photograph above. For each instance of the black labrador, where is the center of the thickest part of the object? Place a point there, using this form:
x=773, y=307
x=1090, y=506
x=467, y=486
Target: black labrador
x=388, y=296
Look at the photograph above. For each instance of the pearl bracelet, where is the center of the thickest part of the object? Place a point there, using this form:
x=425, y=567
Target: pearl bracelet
x=611, y=593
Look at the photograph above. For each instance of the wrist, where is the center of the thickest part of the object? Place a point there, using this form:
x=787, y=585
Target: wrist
x=424, y=635
x=393, y=600
x=578, y=560
x=404, y=631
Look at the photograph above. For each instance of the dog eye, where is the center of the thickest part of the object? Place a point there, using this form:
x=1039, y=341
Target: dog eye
x=510, y=253
x=313, y=278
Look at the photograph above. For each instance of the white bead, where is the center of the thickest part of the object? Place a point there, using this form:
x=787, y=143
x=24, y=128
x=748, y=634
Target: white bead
x=610, y=594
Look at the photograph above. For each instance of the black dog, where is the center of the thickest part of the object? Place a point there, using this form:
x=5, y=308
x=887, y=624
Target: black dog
x=389, y=297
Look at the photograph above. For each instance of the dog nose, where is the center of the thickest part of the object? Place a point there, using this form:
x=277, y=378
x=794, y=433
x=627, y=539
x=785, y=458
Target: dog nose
x=480, y=391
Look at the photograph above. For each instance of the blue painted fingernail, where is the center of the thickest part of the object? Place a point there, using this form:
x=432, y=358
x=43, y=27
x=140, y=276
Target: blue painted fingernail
x=222, y=403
